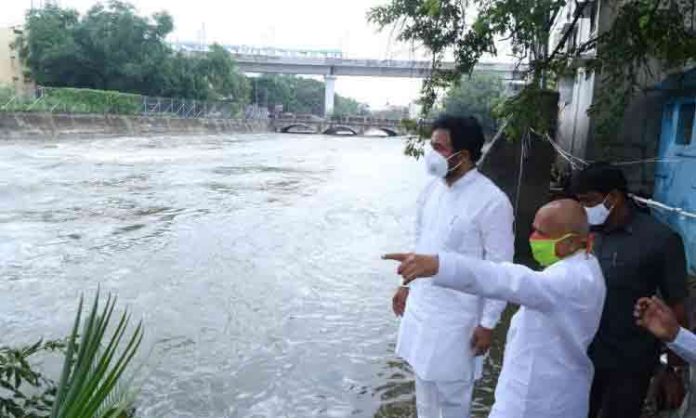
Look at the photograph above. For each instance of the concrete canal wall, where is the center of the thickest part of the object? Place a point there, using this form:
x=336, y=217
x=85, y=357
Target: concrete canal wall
x=55, y=126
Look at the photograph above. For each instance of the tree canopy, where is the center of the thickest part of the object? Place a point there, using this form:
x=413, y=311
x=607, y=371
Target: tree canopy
x=646, y=34
x=476, y=95
x=299, y=95
x=111, y=47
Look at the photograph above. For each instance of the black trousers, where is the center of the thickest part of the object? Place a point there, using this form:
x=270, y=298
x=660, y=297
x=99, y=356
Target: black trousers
x=616, y=394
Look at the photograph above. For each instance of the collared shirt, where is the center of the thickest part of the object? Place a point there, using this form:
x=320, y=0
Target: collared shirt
x=638, y=260
x=684, y=345
x=546, y=371
x=472, y=217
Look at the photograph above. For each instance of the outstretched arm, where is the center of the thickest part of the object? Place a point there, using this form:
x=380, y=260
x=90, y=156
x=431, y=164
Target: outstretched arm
x=511, y=282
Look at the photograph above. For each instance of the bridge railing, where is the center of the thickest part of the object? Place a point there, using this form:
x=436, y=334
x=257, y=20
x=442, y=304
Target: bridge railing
x=365, y=120
x=344, y=120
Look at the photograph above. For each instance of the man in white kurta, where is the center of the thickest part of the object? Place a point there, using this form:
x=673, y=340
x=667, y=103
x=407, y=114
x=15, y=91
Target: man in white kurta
x=467, y=216
x=546, y=370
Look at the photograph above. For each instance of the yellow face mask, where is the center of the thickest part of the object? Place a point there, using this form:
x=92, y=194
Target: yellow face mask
x=544, y=249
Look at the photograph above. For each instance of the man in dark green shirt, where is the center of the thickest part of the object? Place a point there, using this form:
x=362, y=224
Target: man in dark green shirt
x=639, y=257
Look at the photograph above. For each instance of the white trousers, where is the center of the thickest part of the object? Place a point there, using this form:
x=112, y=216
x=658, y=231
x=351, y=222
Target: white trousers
x=443, y=399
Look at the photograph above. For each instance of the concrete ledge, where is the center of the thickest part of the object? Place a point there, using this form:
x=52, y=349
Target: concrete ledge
x=55, y=126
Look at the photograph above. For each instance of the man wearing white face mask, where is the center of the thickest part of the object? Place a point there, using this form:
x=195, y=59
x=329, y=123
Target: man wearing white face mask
x=444, y=333
x=639, y=256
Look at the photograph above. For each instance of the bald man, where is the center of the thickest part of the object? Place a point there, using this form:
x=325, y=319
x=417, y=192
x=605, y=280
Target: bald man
x=546, y=371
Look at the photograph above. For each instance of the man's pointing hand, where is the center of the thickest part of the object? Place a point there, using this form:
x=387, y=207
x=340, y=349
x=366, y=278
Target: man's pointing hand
x=413, y=266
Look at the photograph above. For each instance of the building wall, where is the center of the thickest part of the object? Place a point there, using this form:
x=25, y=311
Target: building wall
x=639, y=134
x=576, y=94
x=11, y=69
x=576, y=90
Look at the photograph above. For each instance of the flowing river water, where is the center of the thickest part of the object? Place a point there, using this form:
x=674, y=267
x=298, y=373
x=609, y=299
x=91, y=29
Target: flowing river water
x=253, y=261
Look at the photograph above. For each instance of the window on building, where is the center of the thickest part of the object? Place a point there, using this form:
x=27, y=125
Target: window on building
x=685, y=126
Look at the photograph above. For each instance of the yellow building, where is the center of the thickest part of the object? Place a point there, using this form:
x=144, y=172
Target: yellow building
x=12, y=72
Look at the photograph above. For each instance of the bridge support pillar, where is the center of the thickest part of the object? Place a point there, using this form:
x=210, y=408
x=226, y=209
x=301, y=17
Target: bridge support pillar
x=329, y=94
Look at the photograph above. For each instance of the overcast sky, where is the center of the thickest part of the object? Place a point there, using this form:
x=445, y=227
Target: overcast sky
x=326, y=24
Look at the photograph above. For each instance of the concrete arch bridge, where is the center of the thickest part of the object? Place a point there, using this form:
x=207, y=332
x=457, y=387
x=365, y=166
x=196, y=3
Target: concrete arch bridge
x=350, y=125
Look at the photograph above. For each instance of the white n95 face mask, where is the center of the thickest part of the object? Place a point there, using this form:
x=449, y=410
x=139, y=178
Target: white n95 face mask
x=436, y=164
x=598, y=214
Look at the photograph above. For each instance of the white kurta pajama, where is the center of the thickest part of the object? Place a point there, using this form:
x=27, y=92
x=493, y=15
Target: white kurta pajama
x=546, y=371
x=472, y=217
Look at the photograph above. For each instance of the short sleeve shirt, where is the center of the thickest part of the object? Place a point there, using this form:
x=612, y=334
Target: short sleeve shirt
x=642, y=258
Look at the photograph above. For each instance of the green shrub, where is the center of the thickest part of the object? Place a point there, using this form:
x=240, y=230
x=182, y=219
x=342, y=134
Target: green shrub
x=93, y=383
x=73, y=100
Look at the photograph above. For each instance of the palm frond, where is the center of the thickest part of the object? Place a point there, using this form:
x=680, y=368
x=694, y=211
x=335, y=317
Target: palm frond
x=89, y=385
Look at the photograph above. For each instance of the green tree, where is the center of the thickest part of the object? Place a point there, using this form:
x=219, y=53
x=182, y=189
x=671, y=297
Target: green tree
x=476, y=95
x=298, y=95
x=273, y=90
x=345, y=106
x=306, y=96
x=182, y=78
x=644, y=32
x=113, y=48
x=223, y=79
x=49, y=48
x=121, y=50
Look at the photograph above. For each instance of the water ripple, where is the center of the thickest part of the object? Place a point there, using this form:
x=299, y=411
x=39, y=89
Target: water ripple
x=252, y=259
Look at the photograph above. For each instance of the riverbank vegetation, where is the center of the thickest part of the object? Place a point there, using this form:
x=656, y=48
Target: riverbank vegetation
x=71, y=100
x=111, y=49
x=94, y=382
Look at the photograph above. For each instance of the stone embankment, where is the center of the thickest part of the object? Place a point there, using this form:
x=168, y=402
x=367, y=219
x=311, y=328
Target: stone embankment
x=55, y=126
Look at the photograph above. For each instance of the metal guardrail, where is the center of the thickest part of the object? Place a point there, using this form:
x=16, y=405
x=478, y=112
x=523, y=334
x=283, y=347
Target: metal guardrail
x=85, y=101
x=76, y=101
x=183, y=108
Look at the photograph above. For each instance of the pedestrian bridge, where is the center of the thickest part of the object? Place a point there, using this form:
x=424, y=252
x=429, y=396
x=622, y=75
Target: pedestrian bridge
x=349, y=125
